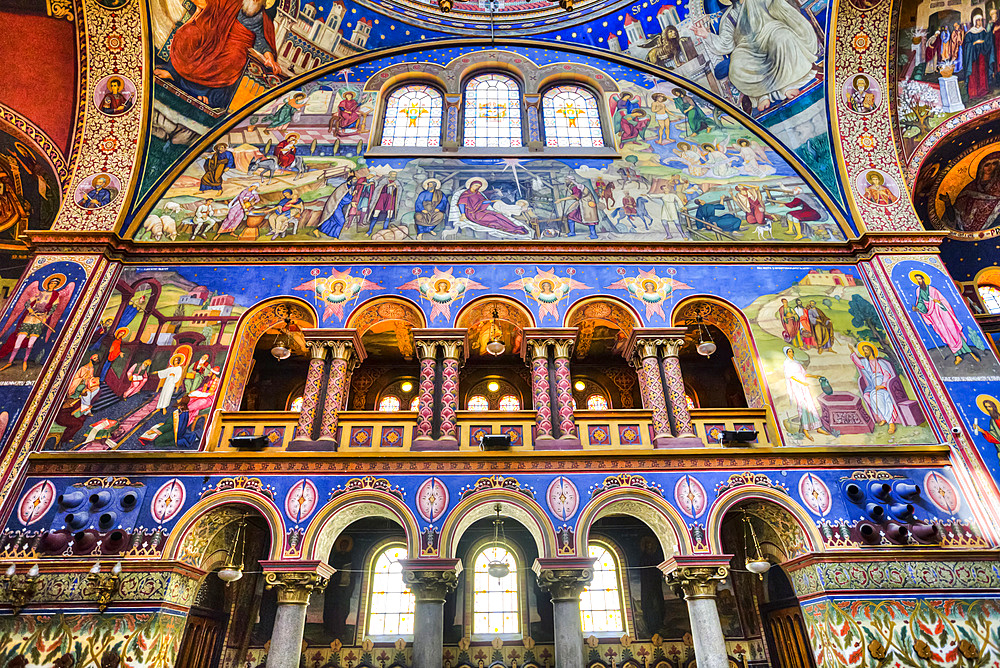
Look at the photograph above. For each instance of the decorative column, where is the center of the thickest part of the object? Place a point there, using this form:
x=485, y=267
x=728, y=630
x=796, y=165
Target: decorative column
x=531, y=103
x=294, y=582
x=439, y=396
x=565, y=580
x=430, y=580
x=643, y=355
x=674, y=381
x=698, y=577
x=451, y=112
x=346, y=352
x=536, y=353
x=425, y=397
x=562, y=348
x=314, y=385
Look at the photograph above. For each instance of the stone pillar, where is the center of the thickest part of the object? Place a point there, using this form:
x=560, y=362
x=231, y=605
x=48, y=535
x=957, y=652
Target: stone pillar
x=698, y=578
x=565, y=580
x=346, y=351
x=430, y=580
x=314, y=384
x=674, y=381
x=536, y=353
x=449, y=390
x=425, y=396
x=551, y=386
x=647, y=364
x=341, y=364
x=294, y=588
x=564, y=389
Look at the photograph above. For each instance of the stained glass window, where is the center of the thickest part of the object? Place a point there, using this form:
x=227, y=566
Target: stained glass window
x=478, y=403
x=571, y=117
x=413, y=117
x=601, y=602
x=509, y=402
x=389, y=404
x=492, y=111
x=494, y=600
x=991, y=298
x=597, y=402
x=415, y=403
x=296, y=405
x=390, y=610
x=690, y=402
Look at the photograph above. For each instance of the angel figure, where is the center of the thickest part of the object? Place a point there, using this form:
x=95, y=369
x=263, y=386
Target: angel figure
x=442, y=289
x=690, y=156
x=547, y=289
x=630, y=118
x=717, y=160
x=335, y=291
x=36, y=312
x=753, y=154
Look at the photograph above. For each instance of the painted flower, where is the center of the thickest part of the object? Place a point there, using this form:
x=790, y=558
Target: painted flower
x=922, y=649
x=861, y=42
x=968, y=650
x=876, y=649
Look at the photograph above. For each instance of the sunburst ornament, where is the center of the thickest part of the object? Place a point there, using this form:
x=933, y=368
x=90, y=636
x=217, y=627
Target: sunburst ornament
x=547, y=289
x=442, y=289
x=335, y=291
x=651, y=290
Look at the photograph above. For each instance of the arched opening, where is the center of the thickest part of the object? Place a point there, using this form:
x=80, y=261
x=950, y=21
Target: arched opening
x=389, y=371
x=602, y=379
x=988, y=290
x=253, y=375
x=728, y=378
x=221, y=619
x=490, y=382
x=763, y=608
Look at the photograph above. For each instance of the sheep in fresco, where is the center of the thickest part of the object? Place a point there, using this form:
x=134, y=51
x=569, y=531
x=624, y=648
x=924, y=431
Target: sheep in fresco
x=173, y=208
x=169, y=227
x=156, y=226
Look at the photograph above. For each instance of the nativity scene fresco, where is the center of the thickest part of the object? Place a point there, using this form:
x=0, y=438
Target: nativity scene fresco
x=319, y=164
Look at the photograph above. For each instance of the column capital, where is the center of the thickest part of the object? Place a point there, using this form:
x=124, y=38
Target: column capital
x=645, y=341
x=454, y=341
x=564, y=579
x=344, y=343
x=296, y=580
x=317, y=349
x=697, y=576
x=431, y=580
x=542, y=337
x=672, y=346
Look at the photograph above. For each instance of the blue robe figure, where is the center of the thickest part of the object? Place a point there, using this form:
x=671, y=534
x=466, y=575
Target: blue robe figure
x=428, y=213
x=334, y=225
x=706, y=214
x=96, y=198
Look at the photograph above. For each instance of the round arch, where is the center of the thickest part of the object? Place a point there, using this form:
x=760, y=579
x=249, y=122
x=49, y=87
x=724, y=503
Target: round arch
x=389, y=313
x=195, y=529
x=802, y=527
x=618, y=313
x=333, y=518
x=261, y=317
x=644, y=506
x=477, y=316
x=731, y=321
x=515, y=506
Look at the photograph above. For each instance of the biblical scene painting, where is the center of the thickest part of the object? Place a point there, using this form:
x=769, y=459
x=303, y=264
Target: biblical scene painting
x=29, y=190
x=151, y=369
x=316, y=164
x=830, y=366
x=946, y=62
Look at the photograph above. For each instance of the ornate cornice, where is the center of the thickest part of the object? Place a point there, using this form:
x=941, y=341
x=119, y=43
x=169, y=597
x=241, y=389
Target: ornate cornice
x=431, y=580
x=296, y=580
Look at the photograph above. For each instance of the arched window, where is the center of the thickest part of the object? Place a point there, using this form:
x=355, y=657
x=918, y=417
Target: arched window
x=601, y=602
x=389, y=404
x=571, y=117
x=597, y=402
x=413, y=117
x=493, y=111
x=478, y=403
x=415, y=403
x=509, y=402
x=390, y=606
x=494, y=600
x=991, y=298
x=296, y=405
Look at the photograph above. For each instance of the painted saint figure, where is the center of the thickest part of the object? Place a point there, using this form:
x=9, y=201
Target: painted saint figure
x=862, y=99
x=284, y=151
x=991, y=409
x=34, y=315
x=797, y=386
x=876, y=373
x=169, y=378
x=347, y=115
x=978, y=58
x=282, y=116
x=137, y=376
x=239, y=209
x=582, y=208
x=877, y=192
x=977, y=206
x=215, y=166
x=430, y=208
x=937, y=313
x=384, y=209
x=100, y=193
x=476, y=208
x=116, y=101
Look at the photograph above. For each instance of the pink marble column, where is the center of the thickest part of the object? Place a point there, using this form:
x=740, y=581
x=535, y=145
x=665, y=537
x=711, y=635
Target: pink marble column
x=675, y=389
x=540, y=389
x=335, y=390
x=564, y=390
x=449, y=392
x=425, y=398
x=310, y=396
x=652, y=389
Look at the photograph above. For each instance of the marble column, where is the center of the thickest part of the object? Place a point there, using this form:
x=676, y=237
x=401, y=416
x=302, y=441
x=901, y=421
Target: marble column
x=342, y=361
x=311, y=394
x=565, y=580
x=293, y=590
x=541, y=397
x=564, y=389
x=647, y=364
x=699, y=583
x=449, y=390
x=674, y=380
x=430, y=580
x=425, y=397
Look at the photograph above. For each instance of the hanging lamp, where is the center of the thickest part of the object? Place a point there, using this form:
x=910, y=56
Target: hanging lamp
x=495, y=346
x=708, y=347
x=233, y=568
x=281, y=349
x=497, y=568
x=756, y=563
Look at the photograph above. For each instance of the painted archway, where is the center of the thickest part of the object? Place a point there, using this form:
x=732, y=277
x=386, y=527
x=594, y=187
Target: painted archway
x=333, y=518
x=516, y=506
x=513, y=318
x=384, y=323
x=643, y=505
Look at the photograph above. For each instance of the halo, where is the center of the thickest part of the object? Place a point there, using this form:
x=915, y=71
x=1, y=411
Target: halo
x=474, y=179
x=857, y=76
x=974, y=165
x=121, y=82
x=915, y=273
x=349, y=92
x=429, y=181
x=983, y=398
x=866, y=344
x=107, y=179
x=868, y=176
x=60, y=277
x=293, y=134
x=124, y=331
x=184, y=352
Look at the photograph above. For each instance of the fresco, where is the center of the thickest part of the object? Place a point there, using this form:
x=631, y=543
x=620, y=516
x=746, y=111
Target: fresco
x=302, y=168
x=150, y=371
x=946, y=62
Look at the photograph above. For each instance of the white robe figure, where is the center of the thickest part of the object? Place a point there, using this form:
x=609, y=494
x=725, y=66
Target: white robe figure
x=771, y=45
x=796, y=383
x=171, y=376
x=876, y=374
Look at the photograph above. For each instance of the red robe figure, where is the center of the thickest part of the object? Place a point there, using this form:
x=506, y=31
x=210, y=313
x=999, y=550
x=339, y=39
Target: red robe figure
x=347, y=116
x=35, y=315
x=385, y=205
x=284, y=152
x=209, y=53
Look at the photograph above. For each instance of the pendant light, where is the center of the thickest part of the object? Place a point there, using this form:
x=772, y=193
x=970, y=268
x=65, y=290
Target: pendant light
x=708, y=347
x=756, y=563
x=281, y=350
x=233, y=569
x=495, y=346
x=496, y=568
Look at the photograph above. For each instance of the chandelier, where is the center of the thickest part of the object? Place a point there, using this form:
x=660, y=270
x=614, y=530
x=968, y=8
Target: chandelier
x=756, y=563
x=497, y=568
x=708, y=347
x=495, y=346
x=233, y=568
x=281, y=349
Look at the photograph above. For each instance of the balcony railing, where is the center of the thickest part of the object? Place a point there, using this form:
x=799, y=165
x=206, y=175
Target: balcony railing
x=599, y=430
